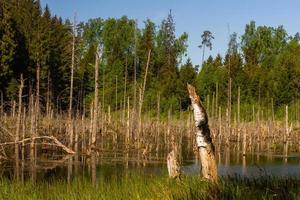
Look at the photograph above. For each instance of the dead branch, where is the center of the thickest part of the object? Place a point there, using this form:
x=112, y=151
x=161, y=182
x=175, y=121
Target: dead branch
x=56, y=141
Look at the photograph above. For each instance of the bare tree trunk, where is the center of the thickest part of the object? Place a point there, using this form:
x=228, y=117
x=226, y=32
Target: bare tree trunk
x=229, y=107
x=125, y=90
x=17, y=136
x=91, y=127
x=204, y=142
x=143, y=91
x=13, y=108
x=272, y=107
x=71, y=87
x=37, y=101
x=158, y=124
x=48, y=97
x=173, y=163
x=286, y=134
x=23, y=131
x=33, y=134
x=217, y=106
x=38, y=90
x=244, y=142
x=94, y=126
x=128, y=122
x=238, y=118
x=116, y=91
x=220, y=127
x=23, y=143
x=76, y=133
x=212, y=110
x=135, y=71
x=103, y=88
x=19, y=109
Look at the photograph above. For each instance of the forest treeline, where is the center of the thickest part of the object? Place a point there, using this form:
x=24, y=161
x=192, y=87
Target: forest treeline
x=265, y=64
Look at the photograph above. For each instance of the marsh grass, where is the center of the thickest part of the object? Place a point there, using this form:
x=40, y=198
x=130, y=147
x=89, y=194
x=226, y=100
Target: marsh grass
x=154, y=187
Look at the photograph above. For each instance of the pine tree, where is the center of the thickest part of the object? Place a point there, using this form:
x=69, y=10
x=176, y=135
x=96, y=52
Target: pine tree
x=187, y=74
x=7, y=49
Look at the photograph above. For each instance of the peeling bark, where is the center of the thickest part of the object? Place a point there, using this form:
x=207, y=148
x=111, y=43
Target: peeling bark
x=204, y=143
x=173, y=164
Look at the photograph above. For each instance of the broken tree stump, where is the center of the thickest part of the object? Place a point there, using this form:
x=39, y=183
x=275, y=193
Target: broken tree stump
x=174, y=169
x=204, y=143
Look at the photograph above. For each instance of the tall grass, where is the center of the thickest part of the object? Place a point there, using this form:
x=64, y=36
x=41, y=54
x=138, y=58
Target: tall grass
x=154, y=187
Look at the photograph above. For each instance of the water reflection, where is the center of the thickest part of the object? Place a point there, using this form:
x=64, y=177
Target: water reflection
x=109, y=164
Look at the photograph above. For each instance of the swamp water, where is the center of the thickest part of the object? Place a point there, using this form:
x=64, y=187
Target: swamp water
x=114, y=163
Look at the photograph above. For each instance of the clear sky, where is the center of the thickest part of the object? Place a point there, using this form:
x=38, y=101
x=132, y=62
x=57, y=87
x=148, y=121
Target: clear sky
x=191, y=16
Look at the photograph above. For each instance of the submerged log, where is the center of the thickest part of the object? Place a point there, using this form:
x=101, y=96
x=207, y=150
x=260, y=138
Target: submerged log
x=204, y=143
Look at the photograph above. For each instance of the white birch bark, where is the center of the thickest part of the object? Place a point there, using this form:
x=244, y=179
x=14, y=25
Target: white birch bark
x=203, y=138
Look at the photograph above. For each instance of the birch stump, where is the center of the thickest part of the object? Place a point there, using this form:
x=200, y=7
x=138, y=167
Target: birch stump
x=173, y=165
x=174, y=169
x=204, y=143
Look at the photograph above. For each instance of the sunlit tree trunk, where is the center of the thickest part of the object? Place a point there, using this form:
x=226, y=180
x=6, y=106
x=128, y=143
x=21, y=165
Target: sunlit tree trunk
x=203, y=139
x=95, y=113
x=174, y=169
x=143, y=91
x=71, y=88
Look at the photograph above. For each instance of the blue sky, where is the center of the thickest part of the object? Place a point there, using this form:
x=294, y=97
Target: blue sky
x=191, y=16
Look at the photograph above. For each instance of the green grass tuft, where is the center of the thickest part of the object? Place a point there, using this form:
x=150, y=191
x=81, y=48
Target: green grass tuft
x=154, y=187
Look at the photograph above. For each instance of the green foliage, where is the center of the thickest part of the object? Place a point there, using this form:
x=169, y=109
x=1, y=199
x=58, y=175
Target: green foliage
x=187, y=74
x=264, y=65
x=7, y=45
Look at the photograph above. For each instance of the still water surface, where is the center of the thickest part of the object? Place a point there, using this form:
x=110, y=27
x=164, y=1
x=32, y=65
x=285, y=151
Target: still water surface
x=111, y=164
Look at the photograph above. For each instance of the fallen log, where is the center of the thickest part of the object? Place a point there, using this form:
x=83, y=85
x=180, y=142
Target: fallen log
x=52, y=138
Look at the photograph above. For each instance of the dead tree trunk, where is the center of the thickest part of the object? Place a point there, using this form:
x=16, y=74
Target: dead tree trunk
x=143, y=92
x=95, y=117
x=18, y=126
x=19, y=109
x=203, y=139
x=71, y=86
x=173, y=165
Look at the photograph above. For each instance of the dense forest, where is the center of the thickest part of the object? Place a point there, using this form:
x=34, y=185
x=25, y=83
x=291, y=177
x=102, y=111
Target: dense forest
x=263, y=63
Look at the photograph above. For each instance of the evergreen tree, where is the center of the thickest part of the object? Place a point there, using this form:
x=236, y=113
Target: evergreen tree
x=206, y=37
x=7, y=49
x=187, y=74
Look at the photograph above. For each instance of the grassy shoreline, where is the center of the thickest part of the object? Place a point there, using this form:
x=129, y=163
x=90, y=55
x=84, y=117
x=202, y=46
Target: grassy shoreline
x=154, y=187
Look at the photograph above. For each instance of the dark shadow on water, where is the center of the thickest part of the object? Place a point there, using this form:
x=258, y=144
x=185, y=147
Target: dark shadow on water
x=111, y=165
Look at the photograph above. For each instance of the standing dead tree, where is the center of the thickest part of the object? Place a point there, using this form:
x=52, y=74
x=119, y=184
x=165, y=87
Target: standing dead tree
x=71, y=130
x=174, y=169
x=142, y=93
x=173, y=165
x=203, y=139
x=95, y=113
x=19, y=109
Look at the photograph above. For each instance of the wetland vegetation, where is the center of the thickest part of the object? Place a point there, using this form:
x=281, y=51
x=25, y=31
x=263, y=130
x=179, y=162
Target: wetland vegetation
x=91, y=110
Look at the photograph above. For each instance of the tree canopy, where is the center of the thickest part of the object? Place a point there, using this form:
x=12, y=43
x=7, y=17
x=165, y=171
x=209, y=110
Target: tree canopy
x=264, y=64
